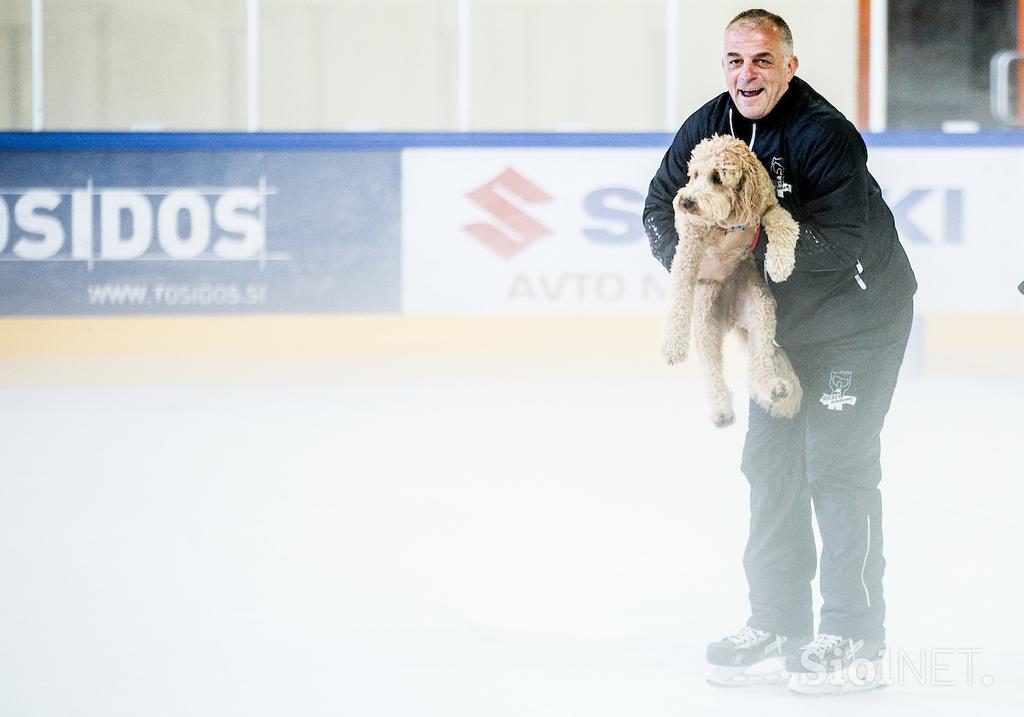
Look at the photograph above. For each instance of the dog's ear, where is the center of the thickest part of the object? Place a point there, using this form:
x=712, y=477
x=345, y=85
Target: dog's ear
x=755, y=193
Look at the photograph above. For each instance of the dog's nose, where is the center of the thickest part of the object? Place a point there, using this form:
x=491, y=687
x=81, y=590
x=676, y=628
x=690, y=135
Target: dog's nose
x=688, y=204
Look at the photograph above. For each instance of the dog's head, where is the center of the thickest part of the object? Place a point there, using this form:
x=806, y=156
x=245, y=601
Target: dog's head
x=727, y=184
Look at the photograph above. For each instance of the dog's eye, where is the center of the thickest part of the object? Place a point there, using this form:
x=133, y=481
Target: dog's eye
x=716, y=178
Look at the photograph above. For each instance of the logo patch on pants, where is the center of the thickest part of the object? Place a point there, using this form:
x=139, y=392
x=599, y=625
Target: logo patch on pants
x=839, y=383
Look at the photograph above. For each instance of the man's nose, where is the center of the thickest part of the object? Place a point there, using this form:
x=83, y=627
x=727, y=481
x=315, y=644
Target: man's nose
x=748, y=72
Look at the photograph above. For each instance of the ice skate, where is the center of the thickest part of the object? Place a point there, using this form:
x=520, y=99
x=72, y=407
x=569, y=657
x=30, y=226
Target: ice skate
x=750, y=657
x=832, y=664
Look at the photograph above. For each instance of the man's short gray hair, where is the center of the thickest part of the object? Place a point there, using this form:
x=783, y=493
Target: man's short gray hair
x=757, y=18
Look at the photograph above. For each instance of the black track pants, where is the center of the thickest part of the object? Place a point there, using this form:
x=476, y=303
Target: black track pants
x=827, y=454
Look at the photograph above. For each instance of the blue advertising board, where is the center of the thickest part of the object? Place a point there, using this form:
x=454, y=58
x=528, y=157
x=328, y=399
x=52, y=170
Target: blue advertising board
x=123, y=230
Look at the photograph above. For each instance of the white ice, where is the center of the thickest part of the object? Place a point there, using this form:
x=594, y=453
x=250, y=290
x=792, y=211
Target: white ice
x=479, y=549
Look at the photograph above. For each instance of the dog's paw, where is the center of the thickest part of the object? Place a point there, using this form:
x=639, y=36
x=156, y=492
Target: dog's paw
x=723, y=417
x=779, y=262
x=674, y=348
x=782, y=405
x=781, y=390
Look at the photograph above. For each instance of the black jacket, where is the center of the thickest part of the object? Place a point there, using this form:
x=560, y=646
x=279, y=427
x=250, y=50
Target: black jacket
x=851, y=270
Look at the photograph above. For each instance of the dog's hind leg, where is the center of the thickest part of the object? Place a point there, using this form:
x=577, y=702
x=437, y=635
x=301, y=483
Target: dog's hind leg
x=771, y=385
x=709, y=333
x=786, y=407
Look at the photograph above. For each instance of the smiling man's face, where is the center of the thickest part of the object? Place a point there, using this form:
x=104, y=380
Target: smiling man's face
x=757, y=68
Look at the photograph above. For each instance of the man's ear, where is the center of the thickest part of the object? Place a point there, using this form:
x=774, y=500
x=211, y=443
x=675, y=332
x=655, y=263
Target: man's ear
x=791, y=67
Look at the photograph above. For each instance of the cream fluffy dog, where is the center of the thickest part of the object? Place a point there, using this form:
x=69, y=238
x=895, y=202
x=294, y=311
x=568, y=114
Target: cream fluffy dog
x=714, y=277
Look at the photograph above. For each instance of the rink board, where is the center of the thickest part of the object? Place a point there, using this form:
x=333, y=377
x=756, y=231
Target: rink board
x=181, y=245
x=395, y=349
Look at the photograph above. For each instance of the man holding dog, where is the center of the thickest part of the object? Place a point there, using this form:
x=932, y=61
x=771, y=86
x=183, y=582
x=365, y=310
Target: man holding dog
x=844, y=318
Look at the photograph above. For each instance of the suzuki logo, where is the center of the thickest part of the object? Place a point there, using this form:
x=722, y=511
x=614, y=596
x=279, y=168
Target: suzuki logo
x=519, y=228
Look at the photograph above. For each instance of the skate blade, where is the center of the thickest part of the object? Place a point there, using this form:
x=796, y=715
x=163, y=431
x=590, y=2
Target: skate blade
x=771, y=671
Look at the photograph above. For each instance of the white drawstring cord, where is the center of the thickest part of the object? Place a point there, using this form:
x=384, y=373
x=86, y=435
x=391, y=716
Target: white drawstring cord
x=753, y=131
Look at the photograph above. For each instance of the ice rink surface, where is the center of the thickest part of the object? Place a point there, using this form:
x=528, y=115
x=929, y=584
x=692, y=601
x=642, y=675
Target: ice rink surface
x=453, y=548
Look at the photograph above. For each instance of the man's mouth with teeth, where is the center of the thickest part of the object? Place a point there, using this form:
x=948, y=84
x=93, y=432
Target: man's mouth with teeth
x=751, y=93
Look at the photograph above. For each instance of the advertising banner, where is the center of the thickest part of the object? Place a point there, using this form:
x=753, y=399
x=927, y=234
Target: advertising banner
x=446, y=224
x=950, y=206
x=558, y=230
x=132, y=232
x=528, y=231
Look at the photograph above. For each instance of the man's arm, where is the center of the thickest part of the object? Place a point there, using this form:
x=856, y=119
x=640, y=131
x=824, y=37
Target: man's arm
x=659, y=216
x=833, y=215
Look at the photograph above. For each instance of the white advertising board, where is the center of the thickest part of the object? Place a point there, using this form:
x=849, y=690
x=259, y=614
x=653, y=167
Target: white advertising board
x=955, y=210
x=558, y=230
x=527, y=231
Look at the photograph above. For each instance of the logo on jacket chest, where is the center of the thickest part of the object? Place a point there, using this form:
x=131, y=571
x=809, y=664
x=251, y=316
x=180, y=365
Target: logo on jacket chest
x=778, y=171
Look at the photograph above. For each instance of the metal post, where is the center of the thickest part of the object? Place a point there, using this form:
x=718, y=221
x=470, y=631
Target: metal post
x=37, y=65
x=464, y=53
x=252, y=64
x=1000, y=70
x=671, y=64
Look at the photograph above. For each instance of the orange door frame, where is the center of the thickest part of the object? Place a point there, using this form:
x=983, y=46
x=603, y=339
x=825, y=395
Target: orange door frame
x=864, y=63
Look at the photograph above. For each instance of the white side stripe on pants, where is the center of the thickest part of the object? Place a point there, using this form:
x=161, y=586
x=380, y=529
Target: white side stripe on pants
x=867, y=595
